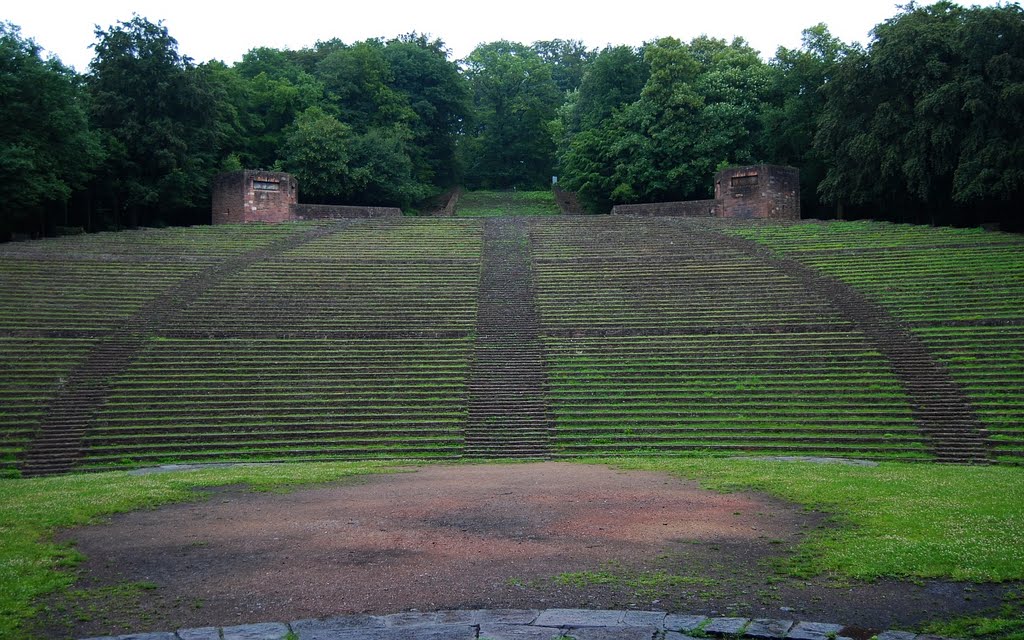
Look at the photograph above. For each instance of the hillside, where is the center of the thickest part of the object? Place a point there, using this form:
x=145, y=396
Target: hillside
x=511, y=336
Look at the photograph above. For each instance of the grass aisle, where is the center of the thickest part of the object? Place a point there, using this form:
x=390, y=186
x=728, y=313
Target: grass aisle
x=476, y=204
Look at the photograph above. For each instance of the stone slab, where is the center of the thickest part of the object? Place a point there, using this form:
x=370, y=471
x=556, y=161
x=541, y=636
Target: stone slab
x=768, y=628
x=518, y=632
x=505, y=616
x=725, y=626
x=897, y=635
x=328, y=628
x=416, y=632
x=579, y=618
x=417, y=619
x=675, y=635
x=157, y=635
x=685, y=624
x=644, y=619
x=813, y=631
x=613, y=633
x=201, y=633
x=262, y=631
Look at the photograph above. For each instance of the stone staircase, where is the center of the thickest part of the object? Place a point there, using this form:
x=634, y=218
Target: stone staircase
x=508, y=412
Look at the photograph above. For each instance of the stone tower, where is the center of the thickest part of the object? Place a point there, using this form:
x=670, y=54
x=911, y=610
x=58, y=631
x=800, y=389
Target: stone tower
x=254, y=196
x=761, y=191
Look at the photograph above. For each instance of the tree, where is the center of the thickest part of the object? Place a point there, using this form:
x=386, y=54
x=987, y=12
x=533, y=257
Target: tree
x=928, y=120
x=514, y=99
x=795, y=105
x=317, y=151
x=700, y=108
x=158, y=117
x=439, y=97
x=47, y=150
x=569, y=60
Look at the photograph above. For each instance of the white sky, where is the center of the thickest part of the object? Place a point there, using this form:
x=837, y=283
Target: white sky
x=226, y=30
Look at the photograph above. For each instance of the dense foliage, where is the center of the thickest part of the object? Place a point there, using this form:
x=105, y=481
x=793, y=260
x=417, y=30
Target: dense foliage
x=925, y=123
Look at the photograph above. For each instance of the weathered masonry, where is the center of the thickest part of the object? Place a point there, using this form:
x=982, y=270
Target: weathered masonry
x=273, y=196
x=761, y=191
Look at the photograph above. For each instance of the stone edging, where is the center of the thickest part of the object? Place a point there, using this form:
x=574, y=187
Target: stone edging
x=525, y=624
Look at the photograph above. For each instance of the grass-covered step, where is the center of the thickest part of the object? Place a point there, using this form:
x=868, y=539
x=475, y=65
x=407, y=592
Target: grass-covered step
x=988, y=362
x=650, y=274
x=84, y=296
x=199, y=399
x=474, y=204
x=401, y=239
x=32, y=371
x=303, y=453
x=750, y=392
x=698, y=447
x=329, y=296
x=199, y=243
x=814, y=236
x=920, y=274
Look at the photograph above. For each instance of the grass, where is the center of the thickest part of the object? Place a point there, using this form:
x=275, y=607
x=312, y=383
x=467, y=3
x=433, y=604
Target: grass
x=474, y=204
x=32, y=565
x=1006, y=623
x=896, y=520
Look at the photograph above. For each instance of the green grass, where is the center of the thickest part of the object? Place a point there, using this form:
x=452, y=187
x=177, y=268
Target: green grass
x=1006, y=623
x=32, y=565
x=896, y=520
x=474, y=204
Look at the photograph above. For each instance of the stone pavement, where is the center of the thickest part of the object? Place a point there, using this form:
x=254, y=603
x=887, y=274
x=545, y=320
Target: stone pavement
x=527, y=624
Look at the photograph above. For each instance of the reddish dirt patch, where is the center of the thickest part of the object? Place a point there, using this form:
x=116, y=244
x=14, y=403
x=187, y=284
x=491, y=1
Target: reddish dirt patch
x=471, y=536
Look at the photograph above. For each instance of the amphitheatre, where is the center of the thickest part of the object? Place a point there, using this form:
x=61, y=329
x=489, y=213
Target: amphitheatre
x=480, y=353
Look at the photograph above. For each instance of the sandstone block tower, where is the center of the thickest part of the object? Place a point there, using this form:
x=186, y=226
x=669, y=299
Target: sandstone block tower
x=254, y=196
x=761, y=191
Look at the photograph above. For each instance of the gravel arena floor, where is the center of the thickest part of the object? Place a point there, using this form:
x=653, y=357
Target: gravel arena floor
x=469, y=536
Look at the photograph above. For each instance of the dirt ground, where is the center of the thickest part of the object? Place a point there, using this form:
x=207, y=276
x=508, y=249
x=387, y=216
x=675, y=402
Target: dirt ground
x=486, y=536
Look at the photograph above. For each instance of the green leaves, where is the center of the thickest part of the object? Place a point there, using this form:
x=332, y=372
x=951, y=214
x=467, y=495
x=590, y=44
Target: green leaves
x=929, y=116
x=46, y=147
x=514, y=98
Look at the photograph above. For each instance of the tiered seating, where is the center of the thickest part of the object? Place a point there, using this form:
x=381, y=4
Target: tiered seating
x=95, y=282
x=660, y=341
x=31, y=372
x=354, y=345
x=409, y=275
x=962, y=290
x=262, y=399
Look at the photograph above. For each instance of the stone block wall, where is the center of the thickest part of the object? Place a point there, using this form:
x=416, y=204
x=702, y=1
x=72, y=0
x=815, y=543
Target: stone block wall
x=762, y=191
x=272, y=196
x=687, y=209
x=253, y=196
x=330, y=211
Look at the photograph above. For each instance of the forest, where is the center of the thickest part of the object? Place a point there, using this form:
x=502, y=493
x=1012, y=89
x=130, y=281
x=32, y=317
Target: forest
x=924, y=123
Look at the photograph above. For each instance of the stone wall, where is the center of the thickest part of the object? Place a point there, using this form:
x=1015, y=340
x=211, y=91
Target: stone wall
x=762, y=191
x=330, y=211
x=271, y=196
x=687, y=209
x=253, y=196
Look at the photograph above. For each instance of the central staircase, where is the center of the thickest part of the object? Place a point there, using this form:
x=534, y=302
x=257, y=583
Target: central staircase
x=508, y=413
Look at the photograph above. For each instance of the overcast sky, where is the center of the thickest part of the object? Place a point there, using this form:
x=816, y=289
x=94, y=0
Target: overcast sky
x=226, y=30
